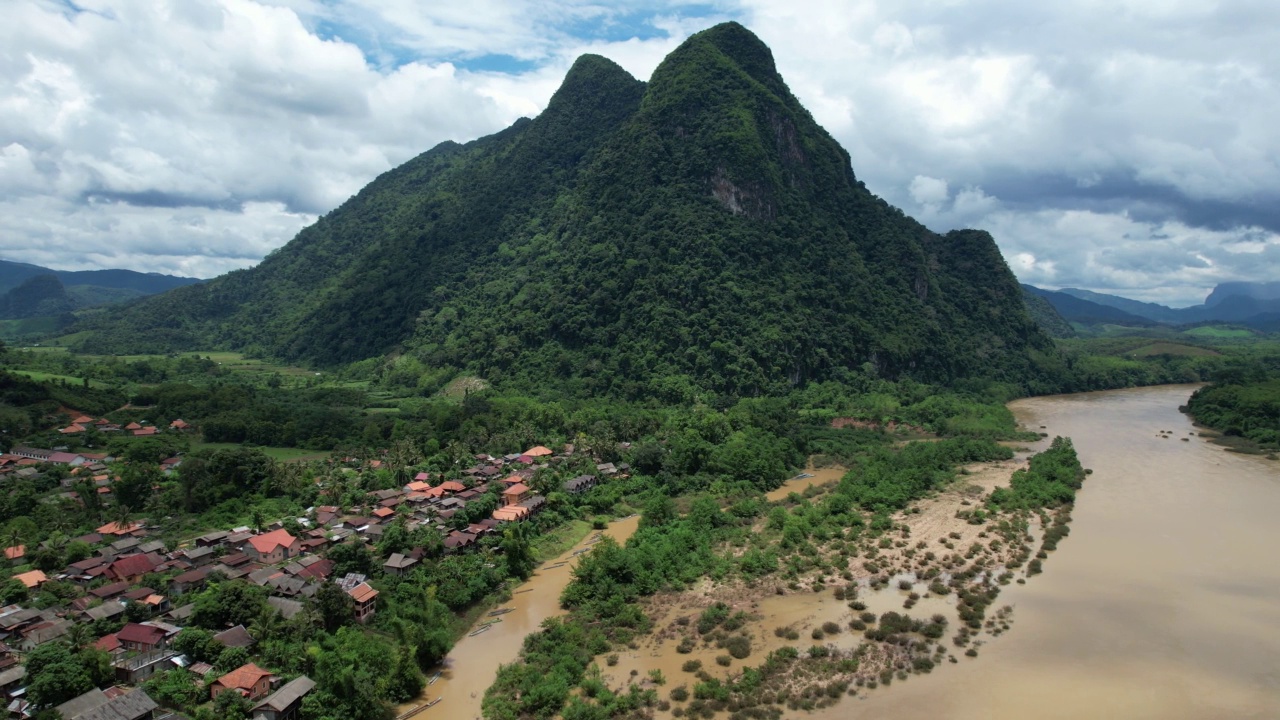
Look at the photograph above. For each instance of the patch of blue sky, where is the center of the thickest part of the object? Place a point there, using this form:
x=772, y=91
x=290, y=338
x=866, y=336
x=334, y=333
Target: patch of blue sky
x=376, y=53
x=639, y=24
x=495, y=63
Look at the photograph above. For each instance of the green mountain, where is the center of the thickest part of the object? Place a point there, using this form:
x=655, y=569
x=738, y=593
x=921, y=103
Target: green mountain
x=37, y=296
x=698, y=231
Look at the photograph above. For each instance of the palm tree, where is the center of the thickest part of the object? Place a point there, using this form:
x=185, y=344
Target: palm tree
x=13, y=537
x=265, y=625
x=78, y=636
x=121, y=516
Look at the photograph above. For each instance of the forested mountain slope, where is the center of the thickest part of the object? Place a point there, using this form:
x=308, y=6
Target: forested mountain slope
x=697, y=232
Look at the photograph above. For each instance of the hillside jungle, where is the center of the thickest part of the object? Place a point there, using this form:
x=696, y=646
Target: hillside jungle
x=180, y=448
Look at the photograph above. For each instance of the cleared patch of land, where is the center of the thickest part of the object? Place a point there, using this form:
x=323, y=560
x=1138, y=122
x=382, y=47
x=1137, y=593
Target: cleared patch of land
x=1170, y=348
x=283, y=454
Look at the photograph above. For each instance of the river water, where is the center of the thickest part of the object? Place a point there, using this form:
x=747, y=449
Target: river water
x=1164, y=602
x=472, y=665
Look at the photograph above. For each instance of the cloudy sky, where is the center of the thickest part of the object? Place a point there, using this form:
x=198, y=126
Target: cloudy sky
x=1123, y=146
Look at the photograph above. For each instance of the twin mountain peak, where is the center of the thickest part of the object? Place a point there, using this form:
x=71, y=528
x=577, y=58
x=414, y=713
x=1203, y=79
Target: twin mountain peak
x=696, y=233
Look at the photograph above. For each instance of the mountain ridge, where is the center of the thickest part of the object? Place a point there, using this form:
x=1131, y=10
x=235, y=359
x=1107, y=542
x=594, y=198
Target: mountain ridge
x=699, y=232
x=1253, y=304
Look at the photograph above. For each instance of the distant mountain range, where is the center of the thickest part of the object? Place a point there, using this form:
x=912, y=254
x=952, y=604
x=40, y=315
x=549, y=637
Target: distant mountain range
x=1255, y=305
x=28, y=291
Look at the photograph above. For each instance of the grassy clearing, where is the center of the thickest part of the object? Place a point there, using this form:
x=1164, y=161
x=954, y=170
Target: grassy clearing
x=1169, y=348
x=558, y=541
x=282, y=454
x=1211, y=331
x=43, y=376
x=460, y=386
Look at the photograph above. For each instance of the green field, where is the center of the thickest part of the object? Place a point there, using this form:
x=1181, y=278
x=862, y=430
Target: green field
x=1219, y=332
x=43, y=376
x=282, y=454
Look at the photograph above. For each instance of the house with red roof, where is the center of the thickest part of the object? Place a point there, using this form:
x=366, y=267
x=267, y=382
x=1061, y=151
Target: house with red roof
x=133, y=426
x=141, y=638
x=538, y=451
x=180, y=425
x=249, y=680
x=131, y=568
x=146, y=431
x=273, y=547
x=109, y=644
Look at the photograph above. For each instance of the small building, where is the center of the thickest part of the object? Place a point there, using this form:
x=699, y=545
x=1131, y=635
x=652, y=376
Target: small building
x=285, y=703
x=286, y=607
x=106, y=611
x=190, y=580
x=366, y=599
x=32, y=579
x=109, y=591
x=399, y=564
x=131, y=568
x=12, y=679
x=516, y=494
x=136, y=705
x=44, y=632
x=580, y=484
x=200, y=555
x=141, y=638
x=212, y=539
x=249, y=680
x=134, y=669
x=273, y=547
x=237, y=636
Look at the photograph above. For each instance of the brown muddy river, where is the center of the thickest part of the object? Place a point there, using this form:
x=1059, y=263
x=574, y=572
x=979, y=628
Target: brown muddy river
x=472, y=665
x=1163, y=603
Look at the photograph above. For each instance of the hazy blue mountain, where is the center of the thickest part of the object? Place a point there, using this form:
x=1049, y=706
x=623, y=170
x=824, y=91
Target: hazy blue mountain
x=1253, y=304
x=93, y=287
x=1151, y=311
x=1077, y=310
x=1267, y=292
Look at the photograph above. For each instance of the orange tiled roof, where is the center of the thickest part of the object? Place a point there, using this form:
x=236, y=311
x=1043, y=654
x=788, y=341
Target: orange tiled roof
x=362, y=593
x=267, y=542
x=243, y=677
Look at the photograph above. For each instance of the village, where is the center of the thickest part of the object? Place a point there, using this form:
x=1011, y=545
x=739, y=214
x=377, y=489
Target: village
x=129, y=598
